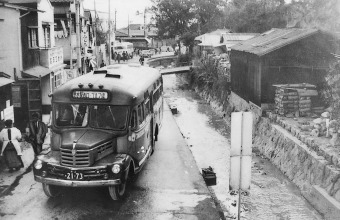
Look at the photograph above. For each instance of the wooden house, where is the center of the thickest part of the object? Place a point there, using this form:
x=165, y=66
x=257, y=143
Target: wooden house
x=278, y=56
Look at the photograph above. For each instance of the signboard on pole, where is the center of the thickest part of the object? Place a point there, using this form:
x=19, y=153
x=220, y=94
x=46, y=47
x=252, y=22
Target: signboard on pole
x=241, y=149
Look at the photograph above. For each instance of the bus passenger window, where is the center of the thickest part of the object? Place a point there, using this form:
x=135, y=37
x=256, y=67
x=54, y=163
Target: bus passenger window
x=133, y=123
x=140, y=114
x=147, y=108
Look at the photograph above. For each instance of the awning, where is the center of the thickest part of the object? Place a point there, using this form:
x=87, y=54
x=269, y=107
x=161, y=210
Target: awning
x=5, y=81
x=37, y=71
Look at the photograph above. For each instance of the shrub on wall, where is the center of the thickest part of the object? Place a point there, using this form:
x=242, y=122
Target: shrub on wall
x=209, y=76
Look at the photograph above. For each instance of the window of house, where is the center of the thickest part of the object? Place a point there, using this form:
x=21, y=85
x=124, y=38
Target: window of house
x=57, y=80
x=47, y=36
x=33, y=37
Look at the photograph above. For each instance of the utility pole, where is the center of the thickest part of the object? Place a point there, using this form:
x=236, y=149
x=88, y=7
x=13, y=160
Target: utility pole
x=70, y=36
x=128, y=25
x=144, y=22
x=95, y=31
x=115, y=19
x=78, y=34
x=109, y=47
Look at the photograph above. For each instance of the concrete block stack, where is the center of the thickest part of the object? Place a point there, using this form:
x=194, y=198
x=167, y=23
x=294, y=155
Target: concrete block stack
x=294, y=99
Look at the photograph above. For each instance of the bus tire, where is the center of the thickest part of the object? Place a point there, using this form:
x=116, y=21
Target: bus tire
x=117, y=192
x=51, y=190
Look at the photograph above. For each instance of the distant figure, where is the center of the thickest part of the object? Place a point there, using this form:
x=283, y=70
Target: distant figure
x=141, y=60
x=119, y=57
x=36, y=131
x=102, y=64
x=115, y=56
x=124, y=56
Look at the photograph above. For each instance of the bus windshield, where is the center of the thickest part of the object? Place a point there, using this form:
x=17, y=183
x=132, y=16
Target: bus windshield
x=97, y=116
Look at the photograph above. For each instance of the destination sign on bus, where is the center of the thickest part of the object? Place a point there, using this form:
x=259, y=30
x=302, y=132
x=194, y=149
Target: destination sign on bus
x=80, y=94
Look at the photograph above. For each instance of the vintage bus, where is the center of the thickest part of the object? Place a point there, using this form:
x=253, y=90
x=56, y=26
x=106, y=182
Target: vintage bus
x=104, y=128
x=121, y=47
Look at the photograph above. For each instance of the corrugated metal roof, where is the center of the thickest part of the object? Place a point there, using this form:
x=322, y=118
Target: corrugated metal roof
x=61, y=0
x=238, y=36
x=273, y=40
x=5, y=81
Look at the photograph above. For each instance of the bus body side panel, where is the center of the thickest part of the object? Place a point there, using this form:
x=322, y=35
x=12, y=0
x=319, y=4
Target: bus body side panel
x=142, y=143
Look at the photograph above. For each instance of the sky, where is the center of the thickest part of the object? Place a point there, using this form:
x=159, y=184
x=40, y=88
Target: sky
x=125, y=9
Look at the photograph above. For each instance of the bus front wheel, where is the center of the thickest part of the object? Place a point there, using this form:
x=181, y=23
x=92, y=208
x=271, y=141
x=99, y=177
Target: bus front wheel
x=117, y=192
x=51, y=190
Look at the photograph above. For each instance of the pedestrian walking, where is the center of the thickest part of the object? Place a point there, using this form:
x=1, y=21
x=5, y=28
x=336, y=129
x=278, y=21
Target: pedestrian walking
x=141, y=60
x=36, y=131
x=11, y=150
x=124, y=56
x=102, y=64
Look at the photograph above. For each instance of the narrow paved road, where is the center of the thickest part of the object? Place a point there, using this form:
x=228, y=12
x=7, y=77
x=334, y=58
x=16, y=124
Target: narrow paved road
x=169, y=187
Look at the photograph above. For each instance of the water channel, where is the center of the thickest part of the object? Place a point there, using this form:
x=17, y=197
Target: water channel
x=272, y=196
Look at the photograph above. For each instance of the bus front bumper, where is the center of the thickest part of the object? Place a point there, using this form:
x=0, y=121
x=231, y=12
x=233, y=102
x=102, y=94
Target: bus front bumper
x=77, y=183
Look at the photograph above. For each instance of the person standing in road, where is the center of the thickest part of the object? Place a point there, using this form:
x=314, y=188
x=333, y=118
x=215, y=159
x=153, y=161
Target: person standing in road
x=11, y=136
x=36, y=131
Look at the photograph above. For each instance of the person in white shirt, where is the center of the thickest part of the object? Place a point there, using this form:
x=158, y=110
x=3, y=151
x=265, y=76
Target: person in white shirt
x=15, y=137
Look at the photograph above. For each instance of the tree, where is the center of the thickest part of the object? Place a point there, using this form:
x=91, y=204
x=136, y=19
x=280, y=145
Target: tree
x=172, y=17
x=176, y=17
x=322, y=14
x=256, y=16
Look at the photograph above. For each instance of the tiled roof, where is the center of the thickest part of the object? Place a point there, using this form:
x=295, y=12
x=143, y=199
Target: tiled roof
x=273, y=40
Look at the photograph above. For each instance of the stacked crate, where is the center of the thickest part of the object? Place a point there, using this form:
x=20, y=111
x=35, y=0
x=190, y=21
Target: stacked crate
x=294, y=99
x=286, y=101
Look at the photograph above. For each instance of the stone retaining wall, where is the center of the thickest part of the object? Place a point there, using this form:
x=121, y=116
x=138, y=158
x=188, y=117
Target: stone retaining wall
x=312, y=166
x=301, y=164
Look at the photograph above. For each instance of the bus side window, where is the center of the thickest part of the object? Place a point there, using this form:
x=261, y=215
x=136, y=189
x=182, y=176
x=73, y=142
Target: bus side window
x=147, y=108
x=140, y=114
x=133, y=123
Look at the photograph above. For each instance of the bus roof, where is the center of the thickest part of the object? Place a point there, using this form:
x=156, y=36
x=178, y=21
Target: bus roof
x=126, y=84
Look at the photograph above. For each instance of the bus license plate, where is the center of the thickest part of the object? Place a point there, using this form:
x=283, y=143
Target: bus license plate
x=74, y=176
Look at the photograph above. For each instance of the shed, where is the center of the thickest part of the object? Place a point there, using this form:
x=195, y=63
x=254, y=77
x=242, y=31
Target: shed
x=279, y=56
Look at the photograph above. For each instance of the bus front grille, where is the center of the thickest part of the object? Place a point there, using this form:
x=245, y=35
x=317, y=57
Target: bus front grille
x=81, y=158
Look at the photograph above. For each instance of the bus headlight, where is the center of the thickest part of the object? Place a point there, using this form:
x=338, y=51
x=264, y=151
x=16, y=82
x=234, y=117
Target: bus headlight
x=38, y=164
x=115, y=168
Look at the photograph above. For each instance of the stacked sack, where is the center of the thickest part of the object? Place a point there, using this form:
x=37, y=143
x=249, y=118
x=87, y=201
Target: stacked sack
x=286, y=100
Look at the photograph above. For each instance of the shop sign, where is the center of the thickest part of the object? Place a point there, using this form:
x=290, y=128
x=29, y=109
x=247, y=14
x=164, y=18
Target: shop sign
x=84, y=37
x=55, y=56
x=16, y=96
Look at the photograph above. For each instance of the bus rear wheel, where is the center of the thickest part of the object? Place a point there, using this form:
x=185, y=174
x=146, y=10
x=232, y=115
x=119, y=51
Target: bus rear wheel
x=51, y=190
